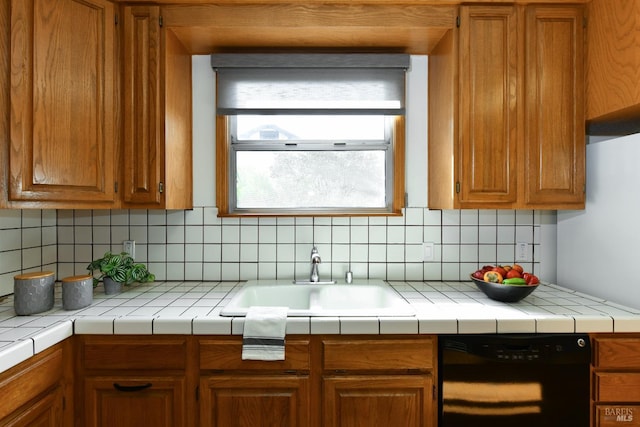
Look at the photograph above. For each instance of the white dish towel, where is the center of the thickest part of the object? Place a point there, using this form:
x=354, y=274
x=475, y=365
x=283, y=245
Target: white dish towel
x=264, y=331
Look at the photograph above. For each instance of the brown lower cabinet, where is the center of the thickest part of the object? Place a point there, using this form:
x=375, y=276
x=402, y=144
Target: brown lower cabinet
x=38, y=391
x=324, y=381
x=615, y=380
x=134, y=381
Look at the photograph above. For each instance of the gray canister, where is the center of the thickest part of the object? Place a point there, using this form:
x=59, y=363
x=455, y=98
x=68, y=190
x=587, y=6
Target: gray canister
x=77, y=292
x=33, y=292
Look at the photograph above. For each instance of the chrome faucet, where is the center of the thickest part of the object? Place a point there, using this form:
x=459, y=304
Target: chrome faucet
x=315, y=260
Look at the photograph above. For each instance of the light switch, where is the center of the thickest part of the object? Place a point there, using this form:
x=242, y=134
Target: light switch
x=428, y=251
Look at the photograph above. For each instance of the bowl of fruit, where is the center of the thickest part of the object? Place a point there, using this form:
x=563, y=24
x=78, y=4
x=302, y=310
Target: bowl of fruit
x=505, y=283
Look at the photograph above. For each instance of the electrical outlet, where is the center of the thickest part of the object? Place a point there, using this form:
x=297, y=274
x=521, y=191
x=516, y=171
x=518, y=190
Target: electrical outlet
x=427, y=248
x=522, y=251
x=129, y=246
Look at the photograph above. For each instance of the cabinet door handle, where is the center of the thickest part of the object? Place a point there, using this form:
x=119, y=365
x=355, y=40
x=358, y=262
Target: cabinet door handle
x=130, y=388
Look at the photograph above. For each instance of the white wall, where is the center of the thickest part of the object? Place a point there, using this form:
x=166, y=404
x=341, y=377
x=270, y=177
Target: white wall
x=598, y=251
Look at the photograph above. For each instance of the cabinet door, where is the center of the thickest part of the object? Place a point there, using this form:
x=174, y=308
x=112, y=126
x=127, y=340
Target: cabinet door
x=62, y=142
x=157, y=146
x=45, y=412
x=143, y=129
x=555, y=145
x=123, y=401
x=488, y=115
x=264, y=400
x=613, y=60
x=378, y=401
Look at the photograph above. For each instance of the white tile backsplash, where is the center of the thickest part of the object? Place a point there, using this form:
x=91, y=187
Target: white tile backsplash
x=266, y=248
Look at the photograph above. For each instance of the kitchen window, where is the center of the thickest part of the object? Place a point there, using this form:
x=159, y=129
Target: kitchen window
x=310, y=134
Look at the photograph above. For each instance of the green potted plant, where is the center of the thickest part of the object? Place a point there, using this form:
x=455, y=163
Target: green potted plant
x=117, y=270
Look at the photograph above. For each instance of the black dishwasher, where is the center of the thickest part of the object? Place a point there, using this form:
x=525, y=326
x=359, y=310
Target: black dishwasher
x=512, y=380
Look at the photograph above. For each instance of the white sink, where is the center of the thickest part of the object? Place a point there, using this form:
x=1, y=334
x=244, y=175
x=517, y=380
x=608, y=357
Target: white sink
x=366, y=298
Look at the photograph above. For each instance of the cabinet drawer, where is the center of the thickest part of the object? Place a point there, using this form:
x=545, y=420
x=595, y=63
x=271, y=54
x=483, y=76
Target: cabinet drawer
x=617, y=415
x=129, y=352
x=226, y=354
x=378, y=354
x=617, y=386
x=617, y=352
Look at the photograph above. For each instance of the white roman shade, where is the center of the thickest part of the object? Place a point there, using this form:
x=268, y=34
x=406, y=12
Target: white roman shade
x=310, y=83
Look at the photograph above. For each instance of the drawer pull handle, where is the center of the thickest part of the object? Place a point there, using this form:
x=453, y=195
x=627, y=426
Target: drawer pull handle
x=130, y=388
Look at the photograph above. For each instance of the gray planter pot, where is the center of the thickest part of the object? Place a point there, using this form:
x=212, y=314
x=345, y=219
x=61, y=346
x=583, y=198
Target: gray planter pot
x=111, y=287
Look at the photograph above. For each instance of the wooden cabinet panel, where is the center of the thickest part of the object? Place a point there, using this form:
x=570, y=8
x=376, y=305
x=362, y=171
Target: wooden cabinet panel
x=488, y=115
x=131, y=353
x=265, y=400
x=23, y=383
x=618, y=353
x=33, y=392
x=226, y=354
x=143, y=127
x=615, y=380
x=613, y=60
x=380, y=354
x=123, y=401
x=63, y=66
x=378, y=401
x=45, y=412
x=617, y=386
x=555, y=146
x=506, y=113
x=157, y=150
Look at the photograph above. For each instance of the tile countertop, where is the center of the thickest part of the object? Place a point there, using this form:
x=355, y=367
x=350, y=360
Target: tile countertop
x=194, y=307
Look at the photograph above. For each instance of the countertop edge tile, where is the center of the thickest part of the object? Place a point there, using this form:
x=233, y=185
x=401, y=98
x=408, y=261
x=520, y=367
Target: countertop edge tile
x=15, y=354
x=516, y=326
x=437, y=326
x=626, y=324
x=325, y=325
x=212, y=326
x=133, y=326
x=563, y=324
x=399, y=325
x=172, y=325
x=586, y=323
x=360, y=325
x=52, y=335
x=93, y=325
x=477, y=326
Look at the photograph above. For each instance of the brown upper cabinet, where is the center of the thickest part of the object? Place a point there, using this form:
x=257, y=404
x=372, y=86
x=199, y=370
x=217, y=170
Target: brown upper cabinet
x=65, y=146
x=613, y=65
x=157, y=146
x=61, y=132
x=95, y=95
x=506, y=120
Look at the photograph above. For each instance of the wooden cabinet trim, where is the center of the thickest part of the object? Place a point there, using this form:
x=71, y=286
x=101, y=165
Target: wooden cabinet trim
x=378, y=354
x=120, y=353
x=616, y=352
x=226, y=354
x=617, y=386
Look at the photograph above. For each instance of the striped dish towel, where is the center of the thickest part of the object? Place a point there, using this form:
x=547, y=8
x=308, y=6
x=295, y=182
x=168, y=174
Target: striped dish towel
x=264, y=331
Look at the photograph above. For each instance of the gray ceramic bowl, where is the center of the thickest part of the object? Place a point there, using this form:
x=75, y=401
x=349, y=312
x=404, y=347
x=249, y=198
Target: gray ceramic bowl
x=502, y=292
